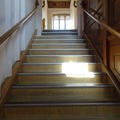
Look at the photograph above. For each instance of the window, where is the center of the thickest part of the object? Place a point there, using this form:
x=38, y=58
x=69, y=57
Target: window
x=61, y=22
x=56, y=22
x=68, y=22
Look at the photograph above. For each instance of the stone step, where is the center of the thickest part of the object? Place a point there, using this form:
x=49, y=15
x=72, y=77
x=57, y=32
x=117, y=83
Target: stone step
x=60, y=67
x=60, y=51
x=59, y=58
x=59, y=79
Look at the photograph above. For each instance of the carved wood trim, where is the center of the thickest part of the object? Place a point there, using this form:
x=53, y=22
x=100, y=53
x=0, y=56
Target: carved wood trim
x=75, y=4
x=59, y=4
x=43, y=5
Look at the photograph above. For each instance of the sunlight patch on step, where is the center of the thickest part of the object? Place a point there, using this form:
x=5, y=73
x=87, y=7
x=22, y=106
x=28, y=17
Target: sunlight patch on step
x=77, y=70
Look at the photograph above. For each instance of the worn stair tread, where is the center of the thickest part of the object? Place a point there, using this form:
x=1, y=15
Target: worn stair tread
x=62, y=32
x=59, y=52
x=61, y=44
x=52, y=83
x=81, y=93
x=60, y=49
x=90, y=63
x=60, y=58
x=59, y=32
x=58, y=68
x=56, y=36
x=59, y=55
x=59, y=99
x=57, y=79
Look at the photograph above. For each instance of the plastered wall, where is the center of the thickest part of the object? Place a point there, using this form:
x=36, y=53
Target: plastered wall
x=12, y=11
x=45, y=13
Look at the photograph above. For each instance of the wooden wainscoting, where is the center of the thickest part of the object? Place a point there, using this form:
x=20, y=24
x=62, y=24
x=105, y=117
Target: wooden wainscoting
x=114, y=56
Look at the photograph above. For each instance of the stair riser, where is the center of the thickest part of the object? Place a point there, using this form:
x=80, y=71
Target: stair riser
x=55, y=68
x=80, y=52
x=61, y=95
x=59, y=59
x=52, y=92
x=59, y=46
x=63, y=113
x=58, y=41
x=57, y=79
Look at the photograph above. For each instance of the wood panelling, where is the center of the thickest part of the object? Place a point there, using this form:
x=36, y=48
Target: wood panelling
x=104, y=38
x=58, y=4
x=114, y=53
x=114, y=43
x=117, y=63
x=114, y=12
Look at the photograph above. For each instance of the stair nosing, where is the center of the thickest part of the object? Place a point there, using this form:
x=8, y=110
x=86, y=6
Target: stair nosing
x=58, y=63
x=61, y=50
x=60, y=55
x=60, y=86
x=56, y=35
x=58, y=44
x=59, y=32
x=95, y=73
x=99, y=103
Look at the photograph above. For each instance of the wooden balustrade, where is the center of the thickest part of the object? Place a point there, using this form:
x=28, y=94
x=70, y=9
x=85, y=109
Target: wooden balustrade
x=100, y=36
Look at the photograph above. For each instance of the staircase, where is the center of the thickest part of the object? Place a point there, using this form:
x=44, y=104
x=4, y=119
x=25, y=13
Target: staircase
x=61, y=79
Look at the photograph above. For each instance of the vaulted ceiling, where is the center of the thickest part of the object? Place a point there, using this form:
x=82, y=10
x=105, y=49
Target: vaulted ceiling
x=59, y=3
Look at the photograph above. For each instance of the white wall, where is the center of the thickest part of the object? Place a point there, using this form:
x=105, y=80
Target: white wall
x=39, y=18
x=12, y=11
x=73, y=13
x=80, y=19
x=52, y=11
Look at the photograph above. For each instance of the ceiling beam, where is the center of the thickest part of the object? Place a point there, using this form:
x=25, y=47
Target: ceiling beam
x=58, y=4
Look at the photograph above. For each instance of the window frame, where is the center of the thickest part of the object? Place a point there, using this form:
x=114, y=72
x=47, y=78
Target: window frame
x=59, y=15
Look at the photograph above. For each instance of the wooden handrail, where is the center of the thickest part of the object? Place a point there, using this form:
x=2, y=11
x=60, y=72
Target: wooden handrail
x=106, y=68
x=107, y=27
x=15, y=27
